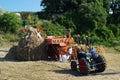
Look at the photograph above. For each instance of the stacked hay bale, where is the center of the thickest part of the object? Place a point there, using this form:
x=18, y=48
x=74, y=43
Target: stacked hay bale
x=83, y=47
x=31, y=47
x=100, y=50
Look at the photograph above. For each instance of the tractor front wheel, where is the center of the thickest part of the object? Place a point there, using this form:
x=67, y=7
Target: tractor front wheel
x=73, y=65
x=100, y=63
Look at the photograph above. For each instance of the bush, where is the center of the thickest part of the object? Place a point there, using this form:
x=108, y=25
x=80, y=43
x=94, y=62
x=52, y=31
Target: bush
x=50, y=29
x=115, y=29
x=19, y=32
x=10, y=22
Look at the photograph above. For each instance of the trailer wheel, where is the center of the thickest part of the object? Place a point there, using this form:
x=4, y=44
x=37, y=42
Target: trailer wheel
x=73, y=65
x=100, y=63
x=84, y=66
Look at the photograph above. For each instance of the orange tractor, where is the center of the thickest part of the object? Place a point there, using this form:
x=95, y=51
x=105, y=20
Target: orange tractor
x=58, y=46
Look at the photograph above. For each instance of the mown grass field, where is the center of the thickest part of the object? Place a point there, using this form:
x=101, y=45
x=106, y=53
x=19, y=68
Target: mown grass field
x=50, y=70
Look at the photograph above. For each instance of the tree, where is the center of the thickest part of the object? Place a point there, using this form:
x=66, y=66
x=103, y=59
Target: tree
x=9, y=22
x=59, y=6
x=86, y=17
x=115, y=7
x=118, y=1
x=106, y=4
x=51, y=6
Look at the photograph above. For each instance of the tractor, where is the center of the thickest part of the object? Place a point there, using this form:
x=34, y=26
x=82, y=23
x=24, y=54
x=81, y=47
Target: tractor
x=87, y=62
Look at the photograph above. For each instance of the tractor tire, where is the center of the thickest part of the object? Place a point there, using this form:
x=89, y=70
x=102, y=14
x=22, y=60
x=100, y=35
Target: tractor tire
x=73, y=65
x=100, y=63
x=84, y=66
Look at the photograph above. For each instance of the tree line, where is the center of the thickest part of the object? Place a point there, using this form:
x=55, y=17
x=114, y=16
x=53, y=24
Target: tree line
x=86, y=17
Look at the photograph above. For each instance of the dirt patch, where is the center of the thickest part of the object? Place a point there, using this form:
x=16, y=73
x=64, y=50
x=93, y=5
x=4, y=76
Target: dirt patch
x=7, y=45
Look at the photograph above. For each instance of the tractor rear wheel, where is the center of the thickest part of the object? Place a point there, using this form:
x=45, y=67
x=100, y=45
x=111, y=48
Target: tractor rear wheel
x=84, y=66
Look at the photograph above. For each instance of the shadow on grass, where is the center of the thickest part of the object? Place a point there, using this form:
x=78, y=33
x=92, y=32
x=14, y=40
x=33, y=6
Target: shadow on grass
x=9, y=54
x=6, y=51
x=1, y=59
x=77, y=73
x=8, y=60
x=68, y=71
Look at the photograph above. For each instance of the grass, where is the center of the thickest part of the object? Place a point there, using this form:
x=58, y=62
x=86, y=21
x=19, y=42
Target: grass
x=116, y=45
x=8, y=37
x=50, y=70
x=117, y=48
x=28, y=70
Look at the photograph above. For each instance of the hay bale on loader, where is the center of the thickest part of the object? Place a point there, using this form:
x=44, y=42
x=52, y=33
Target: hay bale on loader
x=31, y=47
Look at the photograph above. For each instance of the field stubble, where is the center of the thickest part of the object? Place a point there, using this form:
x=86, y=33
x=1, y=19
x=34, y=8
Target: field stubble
x=50, y=70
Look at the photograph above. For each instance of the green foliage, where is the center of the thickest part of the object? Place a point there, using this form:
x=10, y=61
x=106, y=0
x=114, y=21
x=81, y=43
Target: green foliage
x=66, y=20
x=9, y=22
x=106, y=4
x=92, y=12
x=87, y=17
x=115, y=29
x=32, y=18
x=20, y=33
x=116, y=45
x=118, y=1
x=39, y=23
x=51, y=29
x=116, y=12
x=59, y=6
x=95, y=39
x=42, y=15
x=104, y=33
x=9, y=37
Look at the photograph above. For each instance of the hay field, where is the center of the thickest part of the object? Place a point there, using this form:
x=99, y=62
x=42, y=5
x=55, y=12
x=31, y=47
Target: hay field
x=50, y=70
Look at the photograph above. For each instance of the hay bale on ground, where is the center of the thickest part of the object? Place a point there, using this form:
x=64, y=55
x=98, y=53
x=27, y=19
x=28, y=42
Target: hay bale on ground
x=31, y=47
x=11, y=54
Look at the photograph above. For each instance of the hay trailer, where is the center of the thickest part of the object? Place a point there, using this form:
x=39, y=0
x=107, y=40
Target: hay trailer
x=57, y=46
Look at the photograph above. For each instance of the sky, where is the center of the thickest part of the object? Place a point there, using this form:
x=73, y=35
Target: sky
x=21, y=5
